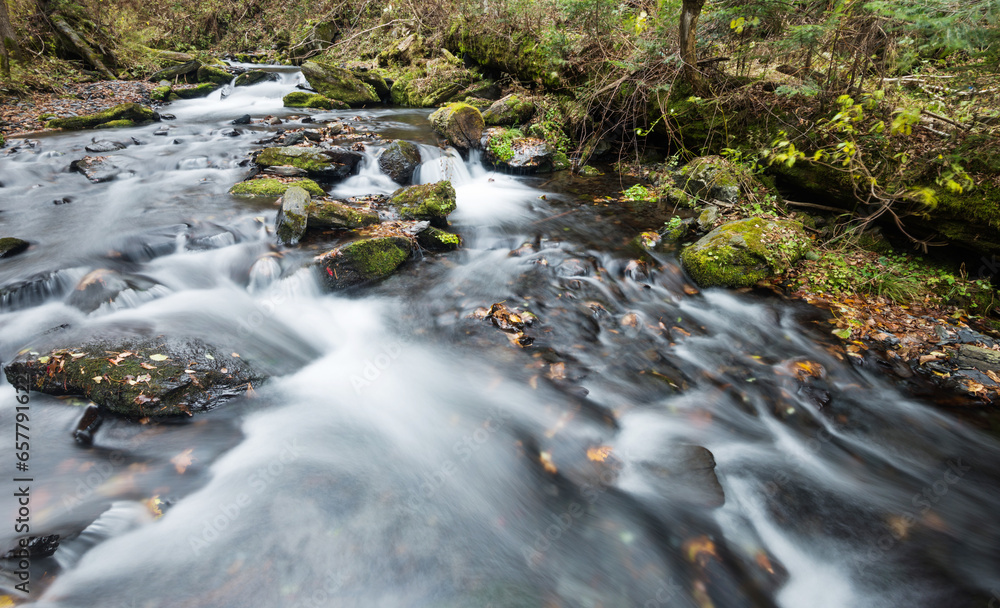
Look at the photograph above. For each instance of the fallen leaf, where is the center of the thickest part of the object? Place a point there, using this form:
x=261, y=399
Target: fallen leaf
x=209, y=356
x=599, y=454
x=145, y=365
x=44, y=359
x=97, y=379
x=546, y=459
x=183, y=460
x=158, y=357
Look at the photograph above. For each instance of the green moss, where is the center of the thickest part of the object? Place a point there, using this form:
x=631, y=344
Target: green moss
x=252, y=77
x=378, y=257
x=126, y=111
x=331, y=214
x=509, y=111
x=45, y=117
x=589, y=171
x=302, y=99
x=214, y=75
x=502, y=144
x=425, y=202
x=271, y=187
x=741, y=253
x=434, y=239
x=460, y=122
x=309, y=159
x=561, y=162
x=160, y=93
x=520, y=54
x=201, y=90
x=338, y=83
x=12, y=246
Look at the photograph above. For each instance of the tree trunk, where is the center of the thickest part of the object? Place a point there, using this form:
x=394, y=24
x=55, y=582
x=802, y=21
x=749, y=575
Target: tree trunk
x=690, y=11
x=8, y=39
x=80, y=46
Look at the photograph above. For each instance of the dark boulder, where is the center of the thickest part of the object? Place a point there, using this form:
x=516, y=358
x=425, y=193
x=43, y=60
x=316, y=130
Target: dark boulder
x=399, y=160
x=10, y=246
x=363, y=262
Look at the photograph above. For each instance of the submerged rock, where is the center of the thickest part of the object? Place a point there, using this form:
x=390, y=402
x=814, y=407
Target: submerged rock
x=338, y=83
x=435, y=239
x=290, y=224
x=431, y=202
x=302, y=99
x=510, y=110
x=460, y=123
x=101, y=286
x=399, y=160
x=271, y=187
x=687, y=474
x=104, y=145
x=743, y=252
x=10, y=246
x=122, y=115
x=337, y=215
x=508, y=150
x=326, y=163
x=362, y=262
x=253, y=77
x=137, y=377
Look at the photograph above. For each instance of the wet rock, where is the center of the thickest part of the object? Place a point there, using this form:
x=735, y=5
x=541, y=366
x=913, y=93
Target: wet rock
x=230, y=132
x=34, y=546
x=173, y=72
x=293, y=139
x=976, y=357
x=10, y=246
x=336, y=215
x=104, y=145
x=101, y=286
x=201, y=90
x=122, y=115
x=253, y=77
x=96, y=168
x=432, y=202
x=326, y=163
x=687, y=474
x=713, y=177
x=740, y=253
x=243, y=120
x=168, y=117
x=460, y=123
x=136, y=377
x=434, y=239
x=399, y=160
x=161, y=93
x=510, y=110
x=161, y=132
x=508, y=150
x=271, y=187
x=302, y=99
x=338, y=83
x=290, y=224
x=286, y=171
x=214, y=75
x=363, y=262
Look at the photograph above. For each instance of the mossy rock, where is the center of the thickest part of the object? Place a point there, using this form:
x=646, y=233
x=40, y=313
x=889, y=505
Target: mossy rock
x=214, y=75
x=375, y=81
x=290, y=224
x=743, y=252
x=302, y=99
x=435, y=239
x=338, y=83
x=508, y=150
x=253, y=77
x=10, y=246
x=201, y=90
x=335, y=215
x=713, y=177
x=158, y=378
x=363, y=262
x=425, y=202
x=519, y=54
x=138, y=114
x=399, y=160
x=184, y=71
x=271, y=187
x=431, y=85
x=510, y=110
x=460, y=123
x=117, y=124
x=161, y=93
x=311, y=160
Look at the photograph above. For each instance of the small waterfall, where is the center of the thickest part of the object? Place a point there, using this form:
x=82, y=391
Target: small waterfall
x=369, y=179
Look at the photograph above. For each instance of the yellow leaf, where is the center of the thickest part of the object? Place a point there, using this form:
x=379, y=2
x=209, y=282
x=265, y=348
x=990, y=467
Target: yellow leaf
x=44, y=359
x=97, y=379
x=183, y=460
x=159, y=357
x=599, y=454
x=546, y=459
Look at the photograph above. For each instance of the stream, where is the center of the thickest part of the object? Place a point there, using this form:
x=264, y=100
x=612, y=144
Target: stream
x=409, y=454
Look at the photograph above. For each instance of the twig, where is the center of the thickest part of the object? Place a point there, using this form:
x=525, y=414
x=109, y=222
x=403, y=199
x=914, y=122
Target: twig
x=371, y=29
x=943, y=119
x=815, y=206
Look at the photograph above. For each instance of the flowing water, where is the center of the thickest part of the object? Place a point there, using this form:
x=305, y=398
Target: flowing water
x=409, y=454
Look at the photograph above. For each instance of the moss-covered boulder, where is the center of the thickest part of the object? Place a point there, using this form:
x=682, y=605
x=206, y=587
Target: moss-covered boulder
x=508, y=150
x=338, y=83
x=460, y=123
x=161, y=93
x=510, y=110
x=431, y=202
x=321, y=163
x=375, y=80
x=185, y=72
x=399, y=160
x=133, y=112
x=363, y=262
x=195, y=92
x=214, y=75
x=10, y=246
x=431, y=84
x=271, y=187
x=302, y=99
x=336, y=215
x=293, y=216
x=137, y=378
x=253, y=77
x=435, y=239
x=743, y=252
x=713, y=177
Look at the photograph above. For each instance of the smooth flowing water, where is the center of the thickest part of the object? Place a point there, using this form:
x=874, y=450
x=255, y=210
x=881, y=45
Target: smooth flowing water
x=409, y=454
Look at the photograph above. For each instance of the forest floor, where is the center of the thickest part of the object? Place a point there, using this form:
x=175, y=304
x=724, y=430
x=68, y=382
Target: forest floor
x=22, y=115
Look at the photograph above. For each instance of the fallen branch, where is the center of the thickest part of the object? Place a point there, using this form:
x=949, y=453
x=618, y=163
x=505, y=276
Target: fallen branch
x=80, y=46
x=943, y=119
x=815, y=206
